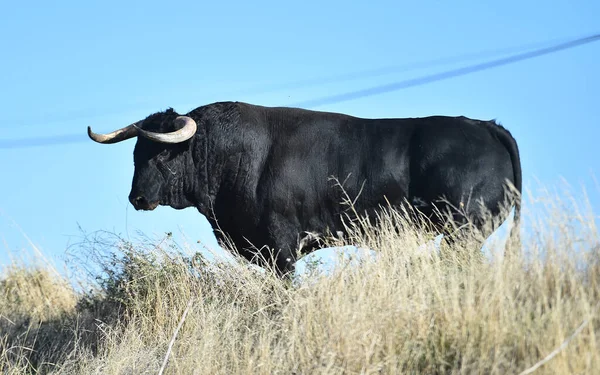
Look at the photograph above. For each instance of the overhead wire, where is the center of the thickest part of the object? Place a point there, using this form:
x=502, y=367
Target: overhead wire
x=317, y=81
x=443, y=75
x=41, y=141
x=394, y=68
x=74, y=138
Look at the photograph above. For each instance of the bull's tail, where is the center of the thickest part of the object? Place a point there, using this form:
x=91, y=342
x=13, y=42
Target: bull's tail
x=511, y=145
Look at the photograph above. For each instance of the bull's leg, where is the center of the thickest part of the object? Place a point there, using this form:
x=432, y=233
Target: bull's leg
x=285, y=264
x=283, y=243
x=464, y=232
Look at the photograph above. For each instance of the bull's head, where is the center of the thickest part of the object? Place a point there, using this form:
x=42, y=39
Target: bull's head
x=161, y=156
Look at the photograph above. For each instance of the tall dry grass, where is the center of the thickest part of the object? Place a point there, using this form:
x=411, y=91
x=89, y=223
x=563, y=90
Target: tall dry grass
x=411, y=310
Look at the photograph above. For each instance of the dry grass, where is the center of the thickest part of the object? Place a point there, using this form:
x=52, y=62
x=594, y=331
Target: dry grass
x=410, y=311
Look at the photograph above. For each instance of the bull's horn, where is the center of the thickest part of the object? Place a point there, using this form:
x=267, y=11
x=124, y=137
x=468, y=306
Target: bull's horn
x=186, y=132
x=122, y=134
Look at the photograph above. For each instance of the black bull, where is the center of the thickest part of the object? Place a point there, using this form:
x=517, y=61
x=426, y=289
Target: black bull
x=263, y=175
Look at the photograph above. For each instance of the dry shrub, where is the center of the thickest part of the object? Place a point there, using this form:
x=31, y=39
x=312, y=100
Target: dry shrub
x=36, y=293
x=34, y=301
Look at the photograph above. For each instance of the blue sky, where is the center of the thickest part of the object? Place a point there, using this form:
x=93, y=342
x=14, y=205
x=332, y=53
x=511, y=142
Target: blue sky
x=66, y=65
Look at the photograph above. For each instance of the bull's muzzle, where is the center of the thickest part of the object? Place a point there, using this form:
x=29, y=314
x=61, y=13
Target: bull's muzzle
x=142, y=203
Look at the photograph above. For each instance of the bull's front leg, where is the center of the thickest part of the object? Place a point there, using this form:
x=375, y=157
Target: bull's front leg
x=285, y=239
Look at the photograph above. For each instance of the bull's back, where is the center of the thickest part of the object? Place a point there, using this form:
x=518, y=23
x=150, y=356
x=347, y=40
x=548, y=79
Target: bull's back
x=319, y=160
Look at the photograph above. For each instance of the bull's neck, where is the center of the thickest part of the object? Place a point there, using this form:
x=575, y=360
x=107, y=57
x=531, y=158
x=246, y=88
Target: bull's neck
x=200, y=161
x=213, y=154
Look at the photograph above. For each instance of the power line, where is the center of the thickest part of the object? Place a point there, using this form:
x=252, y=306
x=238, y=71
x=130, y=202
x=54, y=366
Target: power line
x=444, y=75
x=402, y=68
x=75, y=138
x=42, y=141
x=303, y=83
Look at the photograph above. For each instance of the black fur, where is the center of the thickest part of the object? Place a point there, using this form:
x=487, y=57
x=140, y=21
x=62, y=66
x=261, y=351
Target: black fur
x=262, y=175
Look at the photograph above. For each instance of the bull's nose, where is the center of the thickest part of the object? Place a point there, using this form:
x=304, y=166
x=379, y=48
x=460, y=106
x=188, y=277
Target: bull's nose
x=139, y=201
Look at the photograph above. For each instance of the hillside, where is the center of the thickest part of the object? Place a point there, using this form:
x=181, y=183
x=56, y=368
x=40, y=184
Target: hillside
x=149, y=305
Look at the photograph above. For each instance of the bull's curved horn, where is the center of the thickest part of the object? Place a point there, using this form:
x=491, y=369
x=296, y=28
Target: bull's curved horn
x=119, y=135
x=186, y=132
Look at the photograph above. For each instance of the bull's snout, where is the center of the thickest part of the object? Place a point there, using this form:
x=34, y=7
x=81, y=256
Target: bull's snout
x=140, y=202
